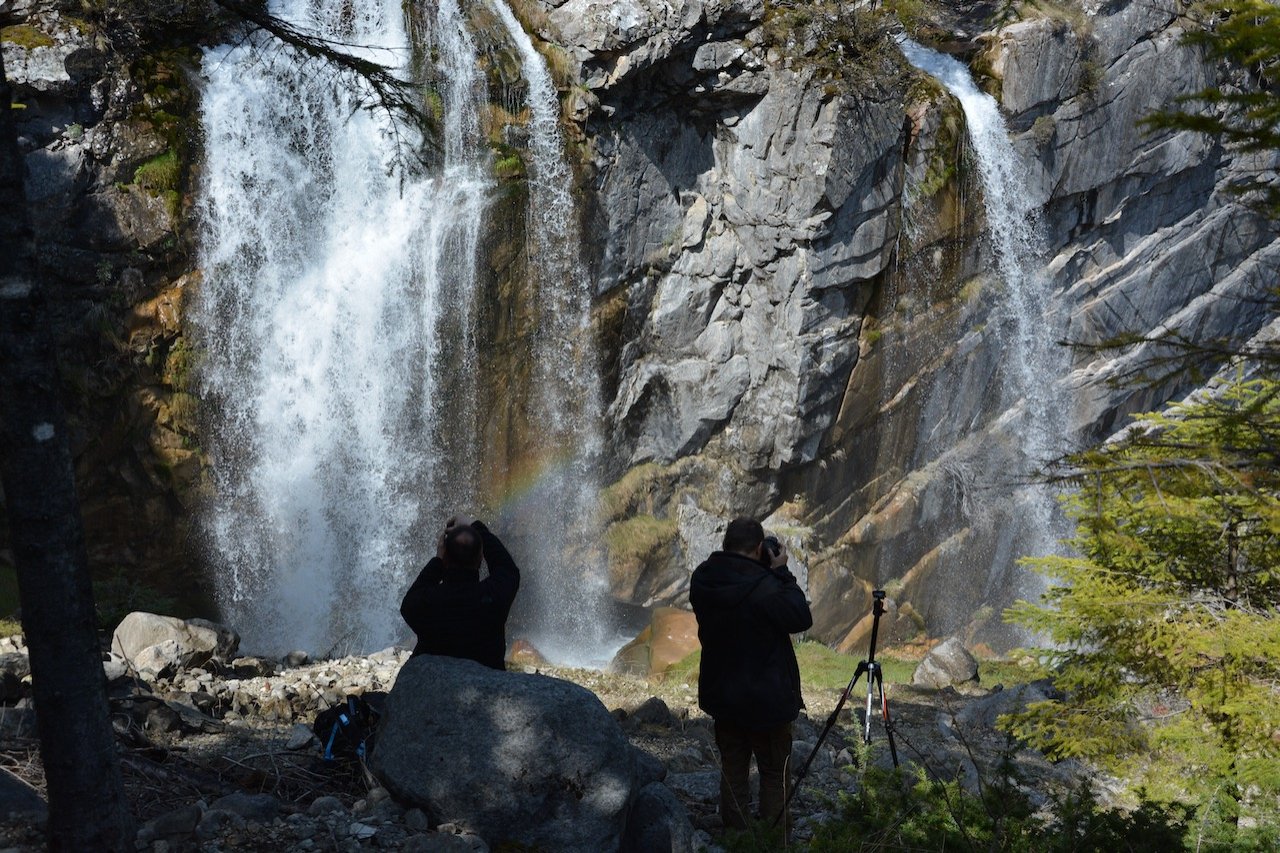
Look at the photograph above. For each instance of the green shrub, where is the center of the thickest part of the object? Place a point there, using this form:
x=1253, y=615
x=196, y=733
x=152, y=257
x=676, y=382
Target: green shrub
x=909, y=810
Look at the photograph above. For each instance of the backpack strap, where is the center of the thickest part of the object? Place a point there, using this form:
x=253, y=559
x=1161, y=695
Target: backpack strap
x=333, y=736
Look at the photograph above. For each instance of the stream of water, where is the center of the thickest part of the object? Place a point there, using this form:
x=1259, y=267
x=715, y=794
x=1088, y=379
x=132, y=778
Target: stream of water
x=566, y=601
x=1033, y=403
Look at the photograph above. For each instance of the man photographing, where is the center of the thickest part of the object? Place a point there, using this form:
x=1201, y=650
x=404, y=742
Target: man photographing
x=454, y=612
x=747, y=604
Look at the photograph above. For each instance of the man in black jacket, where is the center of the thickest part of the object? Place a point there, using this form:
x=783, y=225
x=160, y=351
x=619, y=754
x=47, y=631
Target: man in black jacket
x=748, y=604
x=454, y=612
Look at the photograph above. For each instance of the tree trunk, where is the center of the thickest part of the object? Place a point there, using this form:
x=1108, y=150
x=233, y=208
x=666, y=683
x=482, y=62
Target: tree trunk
x=87, y=806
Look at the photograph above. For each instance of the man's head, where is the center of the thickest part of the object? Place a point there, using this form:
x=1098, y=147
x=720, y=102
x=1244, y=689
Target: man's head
x=744, y=536
x=462, y=547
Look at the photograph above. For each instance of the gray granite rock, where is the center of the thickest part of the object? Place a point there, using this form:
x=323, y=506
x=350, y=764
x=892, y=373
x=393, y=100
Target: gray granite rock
x=946, y=665
x=171, y=643
x=659, y=823
x=515, y=758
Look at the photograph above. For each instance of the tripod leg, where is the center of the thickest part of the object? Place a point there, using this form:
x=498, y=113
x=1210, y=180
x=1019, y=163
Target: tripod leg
x=831, y=721
x=866, y=719
x=884, y=711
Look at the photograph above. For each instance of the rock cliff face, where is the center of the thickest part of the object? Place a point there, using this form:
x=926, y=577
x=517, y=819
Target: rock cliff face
x=106, y=137
x=796, y=290
x=809, y=327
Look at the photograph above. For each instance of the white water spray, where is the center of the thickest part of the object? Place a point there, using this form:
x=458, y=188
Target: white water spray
x=329, y=272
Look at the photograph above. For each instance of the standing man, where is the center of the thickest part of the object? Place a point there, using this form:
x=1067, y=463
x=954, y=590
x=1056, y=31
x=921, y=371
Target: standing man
x=454, y=612
x=748, y=604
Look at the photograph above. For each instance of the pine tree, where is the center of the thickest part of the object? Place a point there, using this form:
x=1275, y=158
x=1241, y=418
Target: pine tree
x=1165, y=629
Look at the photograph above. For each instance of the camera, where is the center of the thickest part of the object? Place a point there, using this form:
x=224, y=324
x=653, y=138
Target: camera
x=772, y=546
x=878, y=593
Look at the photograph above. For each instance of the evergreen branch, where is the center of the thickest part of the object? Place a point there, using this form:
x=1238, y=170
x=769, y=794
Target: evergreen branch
x=397, y=97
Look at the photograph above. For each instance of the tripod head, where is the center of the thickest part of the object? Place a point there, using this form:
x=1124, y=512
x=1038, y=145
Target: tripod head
x=877, y=608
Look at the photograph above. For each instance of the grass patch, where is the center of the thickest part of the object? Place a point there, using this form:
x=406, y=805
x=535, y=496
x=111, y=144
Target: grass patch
x=160, y=174
x=26, y=36
x=621, y=497
x=1062, y=11
x=841, y=41
x=823, y=668
x=638, y=536
x=178, y=365
x=685, y=671
x=509, y=167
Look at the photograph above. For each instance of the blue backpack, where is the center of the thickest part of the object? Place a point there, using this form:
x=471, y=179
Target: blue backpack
x=346, y=730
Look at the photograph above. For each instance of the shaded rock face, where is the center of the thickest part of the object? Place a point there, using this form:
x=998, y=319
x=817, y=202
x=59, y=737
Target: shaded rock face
x=516, y=758
x=810, y=302
x=105, y=141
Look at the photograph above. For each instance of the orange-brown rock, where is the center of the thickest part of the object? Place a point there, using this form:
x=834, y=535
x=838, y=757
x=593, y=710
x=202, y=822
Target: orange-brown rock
x=524, y=653
x=670, y=637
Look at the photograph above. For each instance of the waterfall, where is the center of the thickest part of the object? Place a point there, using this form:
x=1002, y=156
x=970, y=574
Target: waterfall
x=1035, y=408
x=566, y=591
x=337, y=282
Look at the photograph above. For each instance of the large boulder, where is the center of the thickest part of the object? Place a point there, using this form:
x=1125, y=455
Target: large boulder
x=659, y=823
x=516, y=758
x=946, y=665
x=159, y=643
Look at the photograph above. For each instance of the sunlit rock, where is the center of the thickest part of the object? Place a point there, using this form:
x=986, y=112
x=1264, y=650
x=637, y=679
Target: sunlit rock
x=670, y=637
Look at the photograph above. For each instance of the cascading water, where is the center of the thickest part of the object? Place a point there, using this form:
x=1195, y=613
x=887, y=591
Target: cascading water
x=336, y=282
x=566, y=589
x=1031, y=363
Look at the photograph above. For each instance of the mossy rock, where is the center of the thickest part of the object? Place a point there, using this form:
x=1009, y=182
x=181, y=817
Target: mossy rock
x=26, y=36
x=639, y=537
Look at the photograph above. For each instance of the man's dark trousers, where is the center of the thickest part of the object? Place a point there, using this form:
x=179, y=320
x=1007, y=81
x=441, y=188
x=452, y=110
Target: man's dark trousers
x=772, y=750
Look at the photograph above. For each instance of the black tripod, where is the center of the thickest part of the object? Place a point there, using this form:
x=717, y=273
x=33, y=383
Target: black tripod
x=875, y=685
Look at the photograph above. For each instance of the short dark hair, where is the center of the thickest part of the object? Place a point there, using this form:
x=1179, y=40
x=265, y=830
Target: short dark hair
x=462, y=547
x=743, y=535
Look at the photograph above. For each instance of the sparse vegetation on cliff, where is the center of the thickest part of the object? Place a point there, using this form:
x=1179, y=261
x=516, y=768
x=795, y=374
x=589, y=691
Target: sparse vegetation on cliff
x=844, y=42
x=26, y=36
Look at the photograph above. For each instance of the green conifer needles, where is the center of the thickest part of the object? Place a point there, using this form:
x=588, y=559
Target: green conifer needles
x=1164, y=633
